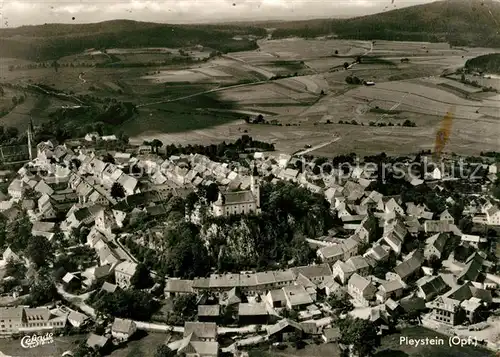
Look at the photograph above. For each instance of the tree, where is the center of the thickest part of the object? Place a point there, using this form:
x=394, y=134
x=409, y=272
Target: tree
x=39, y=251
x=85, y=351
x=156, y=145
x=185, y=306
x=117, y=191
x=141, y=278
x=360, y=334
x=108, y=158
x=349, y=80
x=15, y=269
x=336, y=52
x=14, y=100
x=164, y=351
x=342, y=304
x=42, y=292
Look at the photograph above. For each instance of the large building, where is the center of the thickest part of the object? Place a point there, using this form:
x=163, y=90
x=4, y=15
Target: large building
x=27, y=320
x=239, y=202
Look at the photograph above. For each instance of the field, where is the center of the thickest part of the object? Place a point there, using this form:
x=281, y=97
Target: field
x=297, y=83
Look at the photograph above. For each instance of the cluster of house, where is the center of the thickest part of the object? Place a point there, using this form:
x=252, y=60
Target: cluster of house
x=74, y=187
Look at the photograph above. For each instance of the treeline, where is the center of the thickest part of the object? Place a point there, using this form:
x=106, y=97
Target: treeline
x=444, y=21
x=222, y=150
x=55, y=41
x=489, y=63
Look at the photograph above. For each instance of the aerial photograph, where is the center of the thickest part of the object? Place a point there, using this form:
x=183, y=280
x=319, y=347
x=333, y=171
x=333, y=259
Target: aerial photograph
x=250, y=178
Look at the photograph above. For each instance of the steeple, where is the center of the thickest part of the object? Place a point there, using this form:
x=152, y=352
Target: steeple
x=30, y=139
x=255, y=185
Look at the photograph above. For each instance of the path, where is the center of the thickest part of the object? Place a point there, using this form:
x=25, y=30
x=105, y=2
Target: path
x=78, y=300
x=80, y=77
x=317, y=147
x=201, y=93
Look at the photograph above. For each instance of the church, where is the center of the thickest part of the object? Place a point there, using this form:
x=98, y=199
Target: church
x=239, y=202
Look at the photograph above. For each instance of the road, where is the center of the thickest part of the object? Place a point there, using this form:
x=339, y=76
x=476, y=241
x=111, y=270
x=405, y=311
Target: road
x=78, y=300
x=316, y=147
x=201, y=93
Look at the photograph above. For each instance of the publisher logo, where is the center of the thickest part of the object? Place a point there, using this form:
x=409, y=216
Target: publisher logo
x=35, y=340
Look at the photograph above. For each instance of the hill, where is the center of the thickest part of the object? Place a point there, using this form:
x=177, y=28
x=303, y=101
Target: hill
x=52, y=41
x=487, y=63
x=459, y=22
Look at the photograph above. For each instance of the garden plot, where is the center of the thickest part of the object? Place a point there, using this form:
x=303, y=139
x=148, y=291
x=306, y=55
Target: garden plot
x=261, y=71
x=212, y=72
x=449, y=83
x=177, y=76
x=420, y=99
x=293, y=48
x=261, y=94
x=254, y=57
x=325, y=64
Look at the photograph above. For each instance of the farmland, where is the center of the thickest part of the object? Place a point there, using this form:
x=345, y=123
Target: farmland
x=298, y=84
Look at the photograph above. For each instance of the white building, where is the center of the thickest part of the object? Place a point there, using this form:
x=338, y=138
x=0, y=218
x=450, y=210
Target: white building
x=239, y=202
x=124, y=272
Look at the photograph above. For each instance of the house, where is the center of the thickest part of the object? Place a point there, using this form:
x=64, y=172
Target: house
x=97, y=342
x=77, y=319
x=285, y=330
x=92, y=136
x=208, y=313
x=16, y=189
x=252, y=314
x=297, y=297
x=407, y=268
x=332, y=253
x=446, y=216
x=431, y=286
x=108, y=287
x=377, y=253
x=393, y=206
x=437, y=226
x=390, y=289
x=238, y=202
x=276, y=298
x=315, y=273
x=124, y=272
x=203, y=331
x=492, y=216
x=106, y=255
x=123, y=329
x=71, y=282
x=27, y=320
x=105, y=222
x=393, y=242
x=446, y=311
x=475, y=309
x=359, y=265
x=341, y=272
x=176, y=287
x=435, y=244
x=361, y=289
x=473, y=240
x=473, y=268
x=332, y=288
x=331, y=335
x=43, y=229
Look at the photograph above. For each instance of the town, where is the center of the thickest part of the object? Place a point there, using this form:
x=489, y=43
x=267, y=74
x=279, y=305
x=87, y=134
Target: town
x=229, y=254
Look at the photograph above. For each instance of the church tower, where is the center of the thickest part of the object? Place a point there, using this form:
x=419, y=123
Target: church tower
x=255, y=186
x=30, y=140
